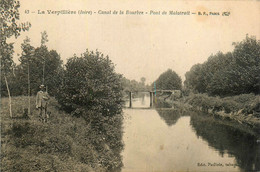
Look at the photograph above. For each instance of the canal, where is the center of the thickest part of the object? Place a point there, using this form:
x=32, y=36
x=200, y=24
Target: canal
x=168, y=140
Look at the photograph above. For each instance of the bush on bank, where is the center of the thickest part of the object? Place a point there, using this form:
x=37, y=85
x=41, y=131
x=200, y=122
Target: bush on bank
x=90, y=85
x=92, y=90
x=247, y=103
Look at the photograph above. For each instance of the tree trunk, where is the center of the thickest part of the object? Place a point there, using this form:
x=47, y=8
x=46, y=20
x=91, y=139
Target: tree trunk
x=9, y=95
x=43, y=72
x=29, y=90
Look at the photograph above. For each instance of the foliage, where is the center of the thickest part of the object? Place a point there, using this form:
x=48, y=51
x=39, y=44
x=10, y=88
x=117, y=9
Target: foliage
x=44, y=38
x=169, y=80
x=90, y=83
x=248, y=103
x=228, y=74
x=50, y=62
x=65, y=143
x=45, y=67
x=133, y=85
x=9, y=16
x=92, y=90
x=39, y=60
x=193, y=77
x=143, y=79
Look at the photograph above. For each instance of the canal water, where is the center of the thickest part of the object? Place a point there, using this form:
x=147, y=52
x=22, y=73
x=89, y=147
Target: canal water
x=168, y=140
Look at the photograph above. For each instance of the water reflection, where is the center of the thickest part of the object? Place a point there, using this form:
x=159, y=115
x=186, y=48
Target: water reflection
x=228, y=139
x=170, y=116
x=140, y=100
x=143, y=100
x=170, y=139
x=152, y=145
x=159, y=103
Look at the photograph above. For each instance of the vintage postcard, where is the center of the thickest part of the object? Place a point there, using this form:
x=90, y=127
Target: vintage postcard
x=127, y=85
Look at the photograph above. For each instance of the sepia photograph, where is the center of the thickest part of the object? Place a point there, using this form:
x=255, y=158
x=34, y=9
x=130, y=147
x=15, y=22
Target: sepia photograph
x=130, y=86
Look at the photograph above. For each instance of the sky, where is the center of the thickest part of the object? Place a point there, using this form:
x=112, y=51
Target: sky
x=141, y=45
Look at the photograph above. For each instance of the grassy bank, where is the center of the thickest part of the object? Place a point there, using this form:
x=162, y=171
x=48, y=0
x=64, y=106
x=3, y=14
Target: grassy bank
x=244, y=108
x=64, y=143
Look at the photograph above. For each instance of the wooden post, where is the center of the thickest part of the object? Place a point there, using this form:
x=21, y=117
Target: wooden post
x=130, y=99
x=151, y=99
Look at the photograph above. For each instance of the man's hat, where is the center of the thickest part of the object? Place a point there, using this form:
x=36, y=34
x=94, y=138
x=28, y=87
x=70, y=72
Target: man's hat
x=42, y=86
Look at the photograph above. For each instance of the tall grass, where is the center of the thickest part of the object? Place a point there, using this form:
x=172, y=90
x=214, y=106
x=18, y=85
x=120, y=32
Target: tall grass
x=64, y=143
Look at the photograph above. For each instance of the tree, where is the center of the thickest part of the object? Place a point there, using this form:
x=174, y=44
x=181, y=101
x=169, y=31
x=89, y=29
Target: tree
x=6, y=67
x=169, y=80
x=228, y=74
x=247, y=59
x=143, y=80
x=53, y=71
x=91, y=89
x=240, y=73
x=27, y=57
x=45, y=68
x=90, y=84
x=193, y=78
x=44, y=39
x=133, y=85
x=8, y=27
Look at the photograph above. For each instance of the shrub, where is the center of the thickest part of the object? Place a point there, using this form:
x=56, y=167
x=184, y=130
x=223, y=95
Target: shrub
x=249, y=103
x=92, y=90
x=90, y=84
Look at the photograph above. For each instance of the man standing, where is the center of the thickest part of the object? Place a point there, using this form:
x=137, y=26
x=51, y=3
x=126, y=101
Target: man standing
x=42, y=98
